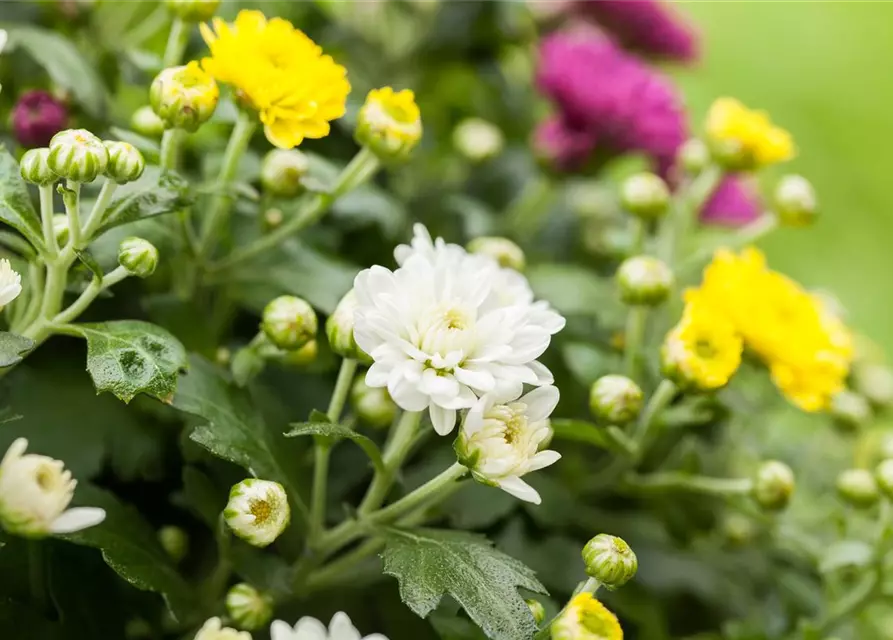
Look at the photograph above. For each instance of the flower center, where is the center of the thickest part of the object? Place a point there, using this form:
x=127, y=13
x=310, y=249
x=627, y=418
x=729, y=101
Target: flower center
x=446, y=330
x=46, y=478
x=261, y=510
x=705, y=349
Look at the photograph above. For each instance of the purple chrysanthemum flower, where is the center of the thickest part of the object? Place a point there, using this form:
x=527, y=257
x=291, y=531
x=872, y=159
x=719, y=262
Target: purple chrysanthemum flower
x=37, y=117
x=650, y=27
x=734, y=203
x=561, y=145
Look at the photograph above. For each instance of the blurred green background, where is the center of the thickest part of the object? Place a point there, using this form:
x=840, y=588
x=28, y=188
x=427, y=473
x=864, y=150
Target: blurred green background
x=820, y=69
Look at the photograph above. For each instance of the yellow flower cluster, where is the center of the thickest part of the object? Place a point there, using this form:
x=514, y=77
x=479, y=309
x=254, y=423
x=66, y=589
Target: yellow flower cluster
x=585, y=618
x=808, y=350
x=280, y=72
x=746, y=137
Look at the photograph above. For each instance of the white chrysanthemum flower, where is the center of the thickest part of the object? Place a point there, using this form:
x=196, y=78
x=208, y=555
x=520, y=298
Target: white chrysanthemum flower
x=213, y=629
x=257, y=511
x=499, y=442
x=35, y=492
x=447, y=327
x=307, y=628
x=10, y=283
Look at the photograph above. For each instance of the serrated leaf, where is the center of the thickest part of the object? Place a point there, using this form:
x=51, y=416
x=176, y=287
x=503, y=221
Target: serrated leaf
x=429, y=564
x=130, y=547
x=16, y=208
x=89, y=261
x=335, y=432
x=13, y=347
x=128, y=357
x=157, y=192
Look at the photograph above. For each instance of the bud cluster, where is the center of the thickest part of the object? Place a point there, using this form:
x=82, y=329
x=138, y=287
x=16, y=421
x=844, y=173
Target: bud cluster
x=79, y=156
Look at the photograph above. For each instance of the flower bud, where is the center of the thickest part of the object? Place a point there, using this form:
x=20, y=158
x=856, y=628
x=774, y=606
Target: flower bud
x=184, y=97
x=615, y=399
x=503, y=250
x=126, y=163
x=610, y=560
x=538, y=610
x=223, y=356
x=372, y=405
x=36, y=117
x=282, y=171
x=645, y=195
x=247, y=607
x=339, y=330
x=389, y=123
x=858, y=487
x=795, y=201
x=477, y=139
x=213, y=629
x=773, y=485
x=174, y=541
x=193, y=10
x=272, y=218
x=138, y=256
x=644, y=280
x=61, y=228
x=289, y=322
x=78, y=155
x=738, y=530
x=145, y=122
x=850, y=410
x=883, y=474
x=34, y=167
x=694, y=156
x=257, y=511
x=301, y=357
x=585, y=618
x=875, y=382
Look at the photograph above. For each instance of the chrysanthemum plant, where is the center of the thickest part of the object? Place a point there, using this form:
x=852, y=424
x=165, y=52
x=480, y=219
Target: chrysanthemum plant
x=443, y=350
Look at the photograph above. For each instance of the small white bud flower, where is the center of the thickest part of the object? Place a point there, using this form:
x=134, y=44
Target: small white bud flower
x=78, y=155
x=477, y=139
x=773, y=485
x=694, y=156
x=247, y=607
x=373, y=405
x=61, y=228
x=126, y=163
x=35, y=492
x=340, y=327
x=795, y=201
x=307, y=628
x=644, y=280
x=850, y=410
x=10, y=283
x=174, y=541
x=146, y=122
x=193, y=10
x=213, y=629
x=645, y=195
x=289, y=322
x=858, y=487
x=257, y=511
x=875, y=382
x=35, y=168
x=615, y=399
x=503, y=250
x=282, y=170
x=273, y=217
x=138, y=256
x=610, y=560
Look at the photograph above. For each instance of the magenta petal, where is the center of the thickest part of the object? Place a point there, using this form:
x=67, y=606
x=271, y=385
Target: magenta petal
x=36, y=117
x=734, y=203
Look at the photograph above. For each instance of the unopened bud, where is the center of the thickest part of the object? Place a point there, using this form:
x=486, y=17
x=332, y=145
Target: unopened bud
x=289, y=322
x=373, y=405
x=77, y=155
x=126, y=163
x=138, y=256
x=257, y=511
x=773, y=485
x=477, y=139
x=174, y=541
x=644, y=281
x=610, y=560
x=273, y=218
x=850, y=410
x=875, y=382
x=223, y=356
x=503, y=250
x=645, y=195
x=61, y=228
x=694, y=156
x=184, y=97
x=193, y=10
x=738, y=530
x=282, y=171
x=339, y=329
x=247, y=607
x=795, y=201
x=858, y=487
x=883, y=474
x=615, y=399
x=34, y=167
x=145, y=122
x=301, y=357
x=538, y=610
x=389, y=123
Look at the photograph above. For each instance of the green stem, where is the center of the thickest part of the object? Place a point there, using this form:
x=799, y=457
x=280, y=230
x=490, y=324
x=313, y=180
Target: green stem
x=426, y=492
x=216, y=582
x=635, y=334
x=334, y=572
x=686, y=207
x=748, y=234
x=46, y=216
x=853, y=602
x=363, y=165
x=659, y=400
x=590, y=586
x=638, y=244
x=527, y=212
x=176, y=43
x=37, y=574
x=675, y=481
x=395, y=452
x=72, y=200
x=342, y=388
x=170, y=147
x=97, y=214
x=89, y=295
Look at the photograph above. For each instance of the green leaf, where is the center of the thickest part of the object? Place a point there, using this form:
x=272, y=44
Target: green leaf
x=65, y=65
x=128, y=357
x=16, y=208
x=13, y=348
x=572, y=289
x=580, y=431
x=90, y=262
x=156, y=192
x=589, y=363
x=130, y=547
x=846, y=554
x=371, y=205
x=429, y=564
x=334, y=432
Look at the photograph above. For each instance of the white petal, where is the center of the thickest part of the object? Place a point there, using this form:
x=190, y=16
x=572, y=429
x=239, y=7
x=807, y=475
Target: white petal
x=341, y=628
x=541, y=403
x=378, y=374
x=310, y=629
x=15, y=451
x=543, y=459
x=406, y=395
x=375, y=636
x=520, y=489
x=443, y=419
x=477, y=379
x=529, y=344
x=281, y=630
x=77, y=519
x=541, y=372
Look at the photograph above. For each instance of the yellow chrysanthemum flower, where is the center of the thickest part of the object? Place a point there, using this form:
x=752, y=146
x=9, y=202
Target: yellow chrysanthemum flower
x=184, y=96
x=280, y=72
x=585, y=618
x=389, y=122
x=744, y=138
x=703, y=351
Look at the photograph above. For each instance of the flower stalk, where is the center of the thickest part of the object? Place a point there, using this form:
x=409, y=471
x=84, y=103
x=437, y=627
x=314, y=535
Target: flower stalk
x=395, y=453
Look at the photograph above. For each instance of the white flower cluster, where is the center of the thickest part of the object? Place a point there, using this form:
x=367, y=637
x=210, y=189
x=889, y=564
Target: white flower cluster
x=450, y=331
x=307, y=628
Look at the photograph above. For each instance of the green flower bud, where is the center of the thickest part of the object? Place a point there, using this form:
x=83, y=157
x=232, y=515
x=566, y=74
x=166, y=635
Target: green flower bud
x=738, y=530
x=223, y=356
x=126, y=163
x=858, y=487
x=373, y=406
x=60, y=228
x=174, y=541
x=503, y=250
x=773, y=485
x=875, y=382
x=145, y=122
x=289, y=322
x=795, y=201
x=477, y=139
x=282, y=170
x=257, y=511
x=883, y=474
x=615, y=399
x=138, y=256
x=694, y=156
x=610, y=560
x=389, y=123
x=77, y=155
x=538, y=611
x=272, y=218
x=850, y=410
x=339, y=330
x=644, y=281
x=193, y=10
x=645, y=196
x=247, y=607
x=184, y=97
x=34, y=167
x=301, y=357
